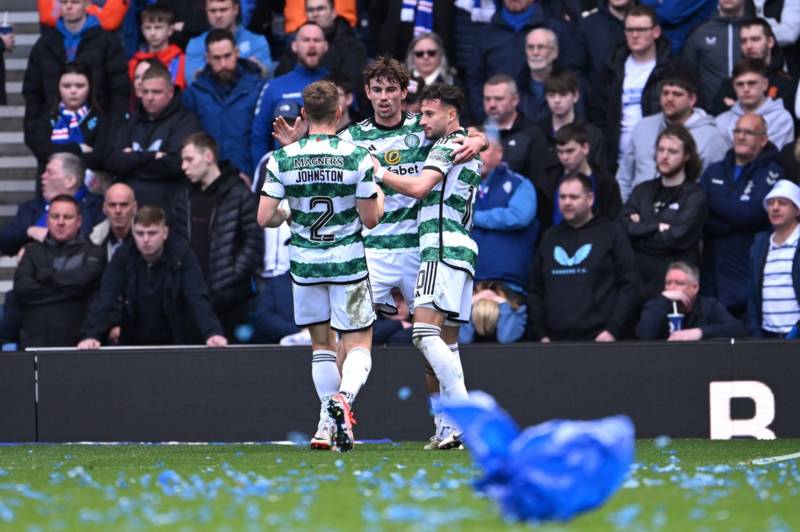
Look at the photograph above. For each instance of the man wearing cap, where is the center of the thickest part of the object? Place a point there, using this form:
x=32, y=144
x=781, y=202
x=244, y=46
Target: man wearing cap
x=774, y=305
x=283, y=96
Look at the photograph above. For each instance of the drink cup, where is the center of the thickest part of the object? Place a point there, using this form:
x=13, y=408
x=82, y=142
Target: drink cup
x=675, y=321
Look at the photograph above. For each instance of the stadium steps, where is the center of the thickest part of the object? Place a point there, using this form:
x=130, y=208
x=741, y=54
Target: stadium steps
x=17, y=164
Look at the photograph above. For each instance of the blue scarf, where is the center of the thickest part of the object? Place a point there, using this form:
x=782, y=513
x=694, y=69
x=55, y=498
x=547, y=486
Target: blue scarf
x=73, y=40
x=423, y=14
x=518, y=21
x=67, y=127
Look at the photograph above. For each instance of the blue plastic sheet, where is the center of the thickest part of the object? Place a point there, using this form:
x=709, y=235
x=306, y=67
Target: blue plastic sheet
x=551, y=471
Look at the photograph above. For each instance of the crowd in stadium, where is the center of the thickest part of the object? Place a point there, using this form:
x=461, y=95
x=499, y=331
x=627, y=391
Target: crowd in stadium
x=638, y=181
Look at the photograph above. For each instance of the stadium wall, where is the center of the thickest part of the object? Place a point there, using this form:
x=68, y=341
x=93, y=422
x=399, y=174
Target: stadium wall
x=254, y=393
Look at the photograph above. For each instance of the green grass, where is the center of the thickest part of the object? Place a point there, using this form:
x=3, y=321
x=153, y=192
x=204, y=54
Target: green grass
x=376, y=487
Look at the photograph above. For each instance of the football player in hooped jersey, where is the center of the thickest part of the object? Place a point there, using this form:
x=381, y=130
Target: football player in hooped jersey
x=446, y=190
x=331, y=191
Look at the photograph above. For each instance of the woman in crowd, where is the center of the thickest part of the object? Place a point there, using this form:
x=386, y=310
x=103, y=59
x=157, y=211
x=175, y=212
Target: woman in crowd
x=76, y=124
x=498, y=315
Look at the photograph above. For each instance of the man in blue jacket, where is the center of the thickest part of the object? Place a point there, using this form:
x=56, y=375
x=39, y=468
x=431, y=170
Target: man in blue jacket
x=735, y=188
x=223, y=14
x=774, y=306
x=287, y=90
x=505, y=222
x=224, y=97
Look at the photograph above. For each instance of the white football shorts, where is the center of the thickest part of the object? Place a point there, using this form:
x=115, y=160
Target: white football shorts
x=348, y=307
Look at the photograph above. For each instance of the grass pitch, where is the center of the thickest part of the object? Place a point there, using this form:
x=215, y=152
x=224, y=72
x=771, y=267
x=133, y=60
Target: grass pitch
x=682, y=485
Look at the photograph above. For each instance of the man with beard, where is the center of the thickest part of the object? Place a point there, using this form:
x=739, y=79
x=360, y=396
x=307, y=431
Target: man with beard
x=678, y=99
x=286, y=92
x=224, y=97
x=664, y=217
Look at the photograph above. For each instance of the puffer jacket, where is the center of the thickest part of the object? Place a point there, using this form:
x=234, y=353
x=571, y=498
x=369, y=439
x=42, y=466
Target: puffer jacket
x=237, y=242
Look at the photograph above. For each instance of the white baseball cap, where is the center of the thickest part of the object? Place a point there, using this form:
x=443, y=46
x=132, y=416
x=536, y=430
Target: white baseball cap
x=784, y=189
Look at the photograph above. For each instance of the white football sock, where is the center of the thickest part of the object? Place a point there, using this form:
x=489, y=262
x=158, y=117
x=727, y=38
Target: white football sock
x=325, y=374
x=355, y=371
x=427, y=338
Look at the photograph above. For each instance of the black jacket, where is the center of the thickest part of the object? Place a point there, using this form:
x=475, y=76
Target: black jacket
x=584, y=281
x=53, y=284
x=606, y=111
x=236, y=241
x=185, y=301
x=346, y=54
x=3, y=97
x=607, y=198
x=100, y=50
x=153, y=180
x=94, y=126
x=501, y=50
x=708, y=314
x=596, y=38
x=525, y=150
x=685, y=210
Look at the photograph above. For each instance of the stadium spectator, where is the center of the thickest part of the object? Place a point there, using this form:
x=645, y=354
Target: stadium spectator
x=470, y=17
x=63, y=175
x=701, y=318
x=145, y=149
x=713, y=48
x=160, y=282
x=76, y=37
x=790, y=160
x=664, y=217
x=498, y=315
x=274, y=316
x=783, y=17
x=562, y=94
x=632, y=80
x=217, y=216
x=7, y=41
x=541, y=53
x=426, y=62
x=346, y=99
x=584, y=284
x=119, y=206
x=224, y=96
x=56, y=277
x=285, y=92
x=138, y=74
x=678, y=99
x=504, y=221
x=109, y=13
x=223, y=15
x=758, y=42
x=750, y=83
x=75, y=124
x=680, y=17
x=346, y=54
x=395, y=23
x=157, y=26
x=501, y=43
x=574, y=153
x=596, y=37
x=735, y=189
x=524, y=146
x=774, y=302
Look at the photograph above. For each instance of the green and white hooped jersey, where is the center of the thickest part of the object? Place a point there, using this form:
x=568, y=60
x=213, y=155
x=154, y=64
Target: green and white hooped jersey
x=402, y=150
x=323, y=176
x=445, y=216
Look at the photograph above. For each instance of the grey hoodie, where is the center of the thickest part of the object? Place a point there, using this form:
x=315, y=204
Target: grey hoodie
x=713, y=49
x=780, y=125
x=639, y=160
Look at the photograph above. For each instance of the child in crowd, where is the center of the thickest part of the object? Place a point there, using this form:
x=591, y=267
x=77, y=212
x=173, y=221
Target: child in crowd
x=156, y=23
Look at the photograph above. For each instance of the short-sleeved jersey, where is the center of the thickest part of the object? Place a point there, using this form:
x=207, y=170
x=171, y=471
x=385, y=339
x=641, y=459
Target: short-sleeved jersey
x=445, y=216
x=323, y=176
x=401, y=149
